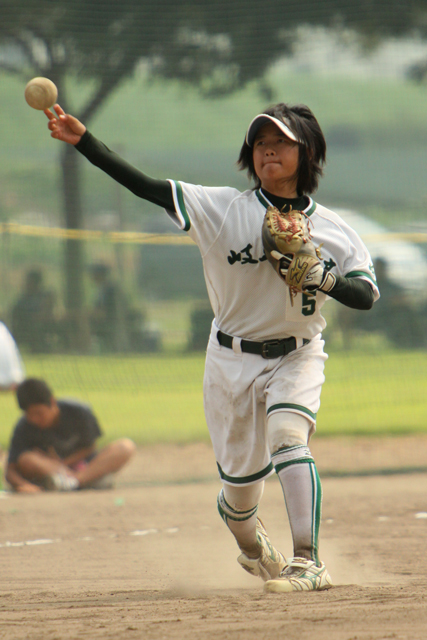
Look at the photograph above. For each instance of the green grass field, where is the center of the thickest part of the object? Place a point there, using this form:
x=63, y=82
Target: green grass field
x=158, y=399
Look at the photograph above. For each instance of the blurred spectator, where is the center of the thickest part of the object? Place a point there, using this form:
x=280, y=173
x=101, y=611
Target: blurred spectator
x=117, y=326
x=53, y=445
x=33, y=320
x=200, y=327
x=141, y=339
x=108, y=312
x=11, y=365
x=394, y=315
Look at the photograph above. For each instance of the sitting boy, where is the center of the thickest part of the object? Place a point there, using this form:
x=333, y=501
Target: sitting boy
x=53, y=445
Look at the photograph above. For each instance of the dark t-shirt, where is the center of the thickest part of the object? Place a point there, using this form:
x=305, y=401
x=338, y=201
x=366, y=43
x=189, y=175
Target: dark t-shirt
x=77, y=428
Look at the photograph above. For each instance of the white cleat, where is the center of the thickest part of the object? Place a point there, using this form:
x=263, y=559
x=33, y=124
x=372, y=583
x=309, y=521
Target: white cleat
x=269, y=564
x=61, y=482
x=300, y=574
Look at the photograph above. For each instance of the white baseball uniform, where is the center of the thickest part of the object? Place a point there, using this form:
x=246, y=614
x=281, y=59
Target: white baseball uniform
x=250, y=301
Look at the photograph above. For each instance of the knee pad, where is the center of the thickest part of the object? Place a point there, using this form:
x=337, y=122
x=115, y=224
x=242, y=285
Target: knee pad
x=239, y=503
x=288, y=456
x=288, y=429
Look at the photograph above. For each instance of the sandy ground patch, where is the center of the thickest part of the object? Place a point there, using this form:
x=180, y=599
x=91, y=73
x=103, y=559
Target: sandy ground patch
x=151, y=559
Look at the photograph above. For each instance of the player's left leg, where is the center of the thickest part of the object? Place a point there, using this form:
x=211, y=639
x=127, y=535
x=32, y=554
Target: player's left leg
x=238, y=508
x=295, y=466
x=108, y=461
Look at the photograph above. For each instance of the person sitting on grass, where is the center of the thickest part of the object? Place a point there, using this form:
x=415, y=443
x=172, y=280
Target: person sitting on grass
x=53, y=445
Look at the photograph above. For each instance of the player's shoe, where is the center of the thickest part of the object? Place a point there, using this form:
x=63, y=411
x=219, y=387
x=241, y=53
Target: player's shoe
x=300, y=574
x=60, y=482
x=270, y=562
x=106, y=482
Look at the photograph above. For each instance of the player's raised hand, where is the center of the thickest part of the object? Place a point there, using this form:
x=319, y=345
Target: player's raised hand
x=63, y=126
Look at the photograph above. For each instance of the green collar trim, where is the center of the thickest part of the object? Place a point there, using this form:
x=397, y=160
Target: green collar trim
x=261, y=198
x=265, y=203
x=311, y=208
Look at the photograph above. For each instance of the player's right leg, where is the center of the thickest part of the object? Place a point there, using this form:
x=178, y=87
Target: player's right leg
x=296, y=469
x=238, y=508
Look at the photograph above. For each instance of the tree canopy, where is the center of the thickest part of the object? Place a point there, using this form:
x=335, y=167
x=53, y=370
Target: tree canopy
x=216, y=46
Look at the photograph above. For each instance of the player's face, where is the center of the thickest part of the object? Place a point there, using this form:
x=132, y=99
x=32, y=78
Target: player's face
x=275, y=160
x=43, y=416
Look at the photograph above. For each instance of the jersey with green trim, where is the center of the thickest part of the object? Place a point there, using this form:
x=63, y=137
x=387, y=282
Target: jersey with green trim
x=248, y=298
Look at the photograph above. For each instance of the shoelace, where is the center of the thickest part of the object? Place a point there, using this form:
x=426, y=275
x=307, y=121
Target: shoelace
x=295, y=568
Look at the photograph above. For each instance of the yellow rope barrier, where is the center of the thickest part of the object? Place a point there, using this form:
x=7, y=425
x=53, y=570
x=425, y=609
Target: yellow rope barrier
x=134, y=237
x=115, y=237
x=416, y=238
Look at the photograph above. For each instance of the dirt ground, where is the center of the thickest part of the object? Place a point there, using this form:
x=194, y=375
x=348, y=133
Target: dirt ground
x=151, y=559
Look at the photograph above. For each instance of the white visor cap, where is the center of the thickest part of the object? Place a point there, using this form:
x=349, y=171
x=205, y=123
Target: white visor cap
x=262, y=119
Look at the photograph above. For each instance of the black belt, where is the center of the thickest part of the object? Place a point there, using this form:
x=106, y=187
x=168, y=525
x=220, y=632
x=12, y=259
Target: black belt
x=268, y=349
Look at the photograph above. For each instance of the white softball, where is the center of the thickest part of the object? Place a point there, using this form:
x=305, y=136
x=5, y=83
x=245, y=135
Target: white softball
x=41, y=93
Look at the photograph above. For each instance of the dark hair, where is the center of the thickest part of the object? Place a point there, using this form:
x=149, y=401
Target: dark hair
x=33, y=391
x=312, y=150
x=34, y=279
x=99, y=269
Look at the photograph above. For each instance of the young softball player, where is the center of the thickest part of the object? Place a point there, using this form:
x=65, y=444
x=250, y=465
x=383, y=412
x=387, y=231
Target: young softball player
x=265, y=357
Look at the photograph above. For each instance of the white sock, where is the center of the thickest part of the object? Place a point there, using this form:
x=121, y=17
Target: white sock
x=303, y=496
x=238, y=508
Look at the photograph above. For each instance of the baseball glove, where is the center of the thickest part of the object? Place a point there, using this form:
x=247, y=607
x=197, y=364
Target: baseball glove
x=288, y=246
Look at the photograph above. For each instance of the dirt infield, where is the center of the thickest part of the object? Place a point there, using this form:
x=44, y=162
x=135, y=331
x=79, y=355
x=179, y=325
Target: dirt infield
x=151, y=559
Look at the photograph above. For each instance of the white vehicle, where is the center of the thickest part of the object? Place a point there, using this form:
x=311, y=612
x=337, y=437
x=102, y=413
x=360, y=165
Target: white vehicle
x=400, y=254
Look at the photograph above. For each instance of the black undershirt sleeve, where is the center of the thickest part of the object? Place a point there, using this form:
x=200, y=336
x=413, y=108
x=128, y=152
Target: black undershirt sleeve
x=156, y=191
x=353, y=292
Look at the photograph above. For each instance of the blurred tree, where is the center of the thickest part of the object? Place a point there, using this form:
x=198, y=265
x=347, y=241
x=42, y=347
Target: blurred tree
x=216, y=46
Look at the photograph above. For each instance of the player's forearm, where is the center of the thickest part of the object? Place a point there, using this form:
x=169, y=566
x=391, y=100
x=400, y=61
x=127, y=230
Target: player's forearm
x=14, y=478
x=81, y=454
x=156, y=191
x=353, y=292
